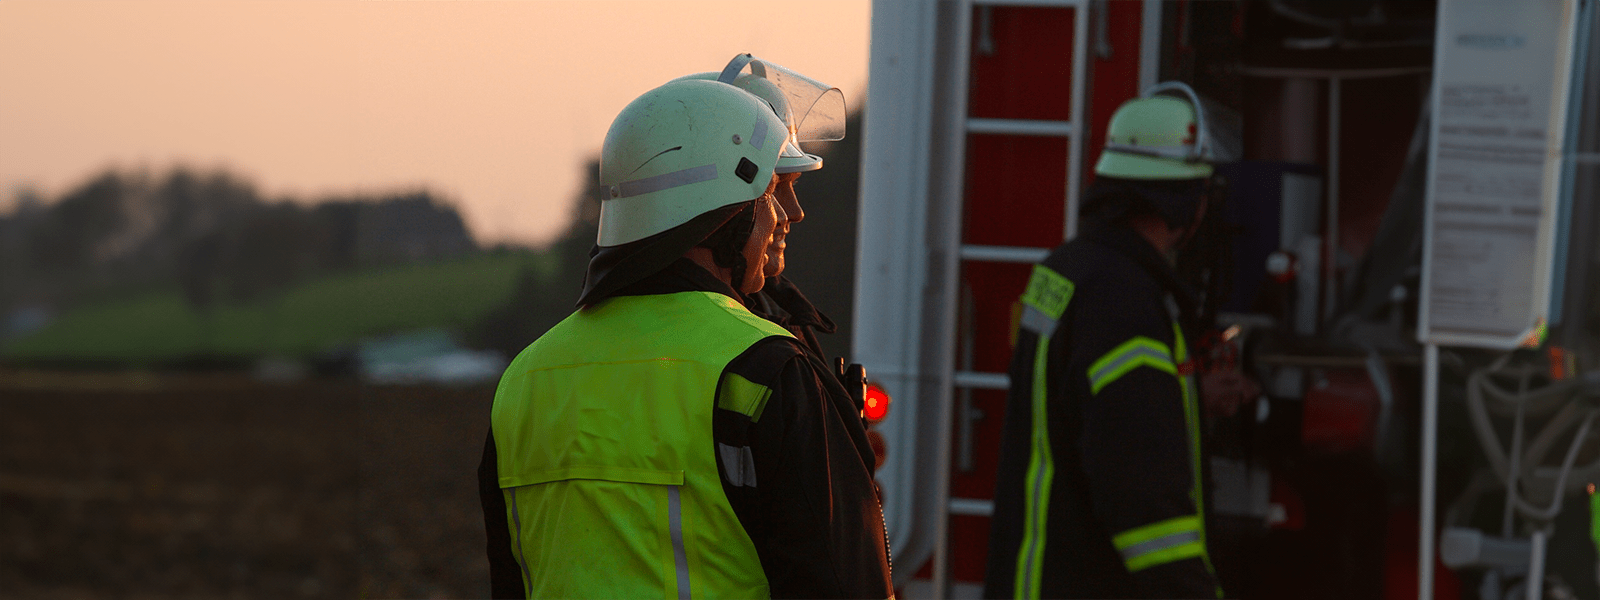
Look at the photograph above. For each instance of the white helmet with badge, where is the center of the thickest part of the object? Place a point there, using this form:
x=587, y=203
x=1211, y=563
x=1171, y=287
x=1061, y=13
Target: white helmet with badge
x=1169, y=133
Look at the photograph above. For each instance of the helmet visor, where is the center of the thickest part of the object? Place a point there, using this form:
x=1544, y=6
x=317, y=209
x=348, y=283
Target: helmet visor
x=1220, y=138
x=794, y=160
x=817, y=109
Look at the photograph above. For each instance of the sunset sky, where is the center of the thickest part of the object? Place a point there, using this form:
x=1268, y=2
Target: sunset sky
x=496, y=106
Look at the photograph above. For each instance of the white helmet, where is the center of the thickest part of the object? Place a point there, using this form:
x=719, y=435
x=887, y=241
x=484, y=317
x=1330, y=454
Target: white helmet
x=1169, y=133
x=681, y=150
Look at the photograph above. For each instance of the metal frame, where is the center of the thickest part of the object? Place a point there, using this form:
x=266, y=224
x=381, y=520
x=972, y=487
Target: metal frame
x=895, y=184
x=1003, y=254
x=1022, y=127
x=1150, y=44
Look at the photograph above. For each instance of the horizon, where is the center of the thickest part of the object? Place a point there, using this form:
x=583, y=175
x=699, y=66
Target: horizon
x=373, y=98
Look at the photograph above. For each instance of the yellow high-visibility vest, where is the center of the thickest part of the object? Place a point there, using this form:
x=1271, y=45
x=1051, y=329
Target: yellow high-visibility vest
x=605, y=453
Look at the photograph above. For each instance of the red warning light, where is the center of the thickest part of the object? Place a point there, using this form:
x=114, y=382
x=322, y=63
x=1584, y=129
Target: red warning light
x=877, y=403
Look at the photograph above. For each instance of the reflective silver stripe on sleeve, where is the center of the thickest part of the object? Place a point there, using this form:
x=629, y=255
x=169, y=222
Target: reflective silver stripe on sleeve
x=739, y=463
x=666, y=181
x=516, y=545
x=1161, y=543
x=680, y=557
x=1131, y=354
x=1037, y=321
x=758, y=138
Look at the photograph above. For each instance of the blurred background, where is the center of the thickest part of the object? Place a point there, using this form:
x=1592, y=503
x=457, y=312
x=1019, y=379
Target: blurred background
x=261, y=264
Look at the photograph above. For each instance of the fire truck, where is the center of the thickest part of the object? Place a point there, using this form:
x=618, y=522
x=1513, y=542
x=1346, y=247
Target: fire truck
x=1382, y=435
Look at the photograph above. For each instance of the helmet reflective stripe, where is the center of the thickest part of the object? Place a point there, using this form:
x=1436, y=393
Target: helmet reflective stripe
x=1185, y=152
x=680, y=151
x=758, y=137
x=664, y=181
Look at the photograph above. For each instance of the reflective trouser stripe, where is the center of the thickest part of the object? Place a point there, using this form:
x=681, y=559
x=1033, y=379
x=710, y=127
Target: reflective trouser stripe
x=1160, y=543
x=1132, y=354
x=1036, y=499
x=680, y=557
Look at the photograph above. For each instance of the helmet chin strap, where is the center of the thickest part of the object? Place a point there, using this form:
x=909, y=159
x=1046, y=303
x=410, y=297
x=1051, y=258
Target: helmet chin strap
x=727, y=245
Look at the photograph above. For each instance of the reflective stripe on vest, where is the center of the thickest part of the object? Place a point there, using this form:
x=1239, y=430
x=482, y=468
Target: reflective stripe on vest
x=606, y=457
x=1043, y=303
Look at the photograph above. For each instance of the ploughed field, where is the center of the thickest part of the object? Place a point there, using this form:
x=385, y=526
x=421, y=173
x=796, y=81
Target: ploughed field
x=218, y=487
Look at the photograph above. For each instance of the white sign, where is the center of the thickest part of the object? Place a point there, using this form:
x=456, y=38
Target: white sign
x=1501, y=72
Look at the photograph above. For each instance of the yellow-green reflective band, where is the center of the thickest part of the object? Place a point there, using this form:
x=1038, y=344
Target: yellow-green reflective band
x=1191, y=415
x=743, y=396
x=1048, y=291
x=1194, y=549
x=1041, y=471
x=1043, y=303
x=1160, y=543
x=1132, y=354
x=1594, y=518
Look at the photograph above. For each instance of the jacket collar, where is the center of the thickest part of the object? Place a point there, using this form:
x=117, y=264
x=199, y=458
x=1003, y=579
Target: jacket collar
x=781, y=302
x=681, y=275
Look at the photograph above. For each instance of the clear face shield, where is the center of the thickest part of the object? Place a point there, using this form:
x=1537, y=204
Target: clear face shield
x=814, y=111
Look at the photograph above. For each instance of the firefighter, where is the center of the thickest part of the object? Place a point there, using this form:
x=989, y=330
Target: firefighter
x=1099, y=490
x=663, y=440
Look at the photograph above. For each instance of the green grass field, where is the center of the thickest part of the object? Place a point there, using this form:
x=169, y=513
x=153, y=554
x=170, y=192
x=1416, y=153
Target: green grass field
x=305, y=320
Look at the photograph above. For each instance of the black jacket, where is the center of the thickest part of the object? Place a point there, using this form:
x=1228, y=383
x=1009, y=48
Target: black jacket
x=781, y=302
x=1123, y=439
x=812, y=510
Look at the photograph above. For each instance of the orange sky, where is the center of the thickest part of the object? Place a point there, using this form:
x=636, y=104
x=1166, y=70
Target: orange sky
x=494, y=105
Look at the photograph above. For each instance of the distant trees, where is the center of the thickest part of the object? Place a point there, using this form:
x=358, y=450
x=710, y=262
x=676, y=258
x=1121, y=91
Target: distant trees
x=545, y=297
x=212, y=234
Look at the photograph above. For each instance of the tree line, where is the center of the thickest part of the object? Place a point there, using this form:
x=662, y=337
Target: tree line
x=212, y=233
